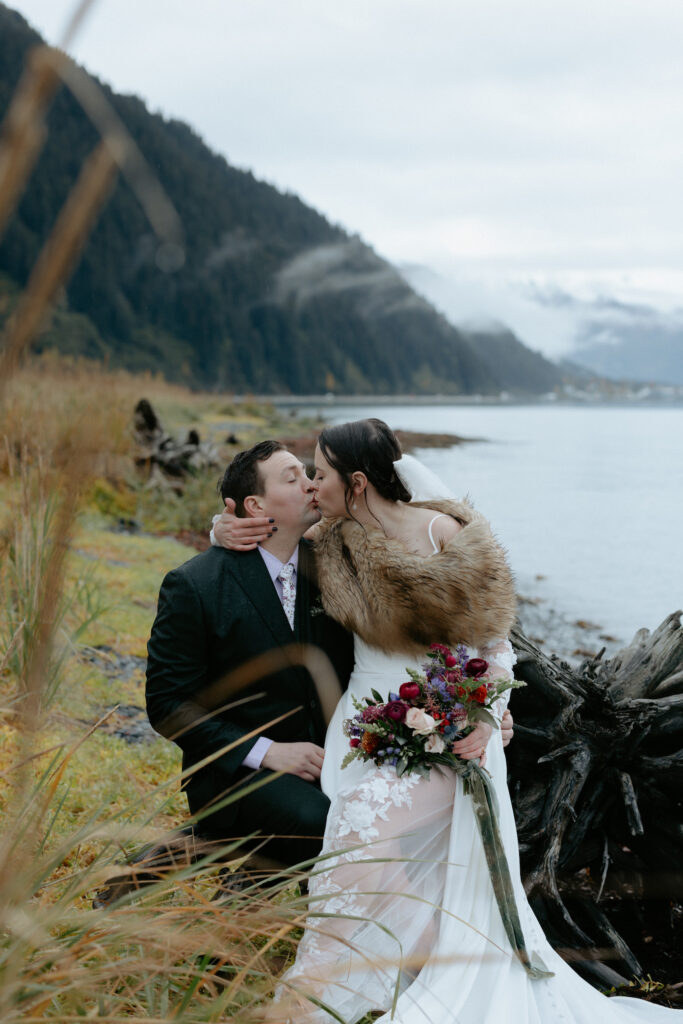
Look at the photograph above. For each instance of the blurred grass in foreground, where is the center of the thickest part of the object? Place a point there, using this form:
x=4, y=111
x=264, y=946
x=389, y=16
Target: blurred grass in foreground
x=73, y=799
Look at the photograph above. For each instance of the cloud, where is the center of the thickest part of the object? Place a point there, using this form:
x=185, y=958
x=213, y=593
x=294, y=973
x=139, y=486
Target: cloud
x=566, y=316
x=372, y=285
x=516, y=138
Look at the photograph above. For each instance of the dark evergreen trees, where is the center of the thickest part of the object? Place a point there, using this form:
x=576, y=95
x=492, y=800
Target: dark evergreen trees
x=271, y=296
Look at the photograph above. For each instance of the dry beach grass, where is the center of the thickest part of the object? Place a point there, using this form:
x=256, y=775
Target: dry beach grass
x=77, y=602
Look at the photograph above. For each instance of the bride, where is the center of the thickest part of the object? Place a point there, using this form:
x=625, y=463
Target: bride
x=402, y=916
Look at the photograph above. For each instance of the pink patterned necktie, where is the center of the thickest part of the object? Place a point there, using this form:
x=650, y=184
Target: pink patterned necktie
x=288, y=591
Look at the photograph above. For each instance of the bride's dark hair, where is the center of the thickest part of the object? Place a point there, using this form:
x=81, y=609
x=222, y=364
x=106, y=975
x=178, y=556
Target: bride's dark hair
x=369, y=446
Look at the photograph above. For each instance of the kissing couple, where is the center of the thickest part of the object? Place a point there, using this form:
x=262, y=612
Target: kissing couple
x=371, y=562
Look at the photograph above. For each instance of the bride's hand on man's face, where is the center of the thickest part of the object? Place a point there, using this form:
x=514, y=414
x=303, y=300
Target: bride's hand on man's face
x=239, y=534
x=475, y=743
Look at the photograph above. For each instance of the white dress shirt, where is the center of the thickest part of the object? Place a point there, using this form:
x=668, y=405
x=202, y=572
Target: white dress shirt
x=274, y=566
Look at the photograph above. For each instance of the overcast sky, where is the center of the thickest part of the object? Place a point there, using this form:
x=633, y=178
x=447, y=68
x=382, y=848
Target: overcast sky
x=496, y=141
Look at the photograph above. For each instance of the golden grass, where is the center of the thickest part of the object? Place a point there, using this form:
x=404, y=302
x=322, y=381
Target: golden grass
x=53, y=392
x=72, y=802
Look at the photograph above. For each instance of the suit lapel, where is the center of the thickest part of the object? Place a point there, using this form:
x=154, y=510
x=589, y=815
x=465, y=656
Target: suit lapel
x=250, y=573
x=305, y=589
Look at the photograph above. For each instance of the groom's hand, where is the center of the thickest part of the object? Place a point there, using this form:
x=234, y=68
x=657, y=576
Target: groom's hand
x=238, y=533
x=302, y=759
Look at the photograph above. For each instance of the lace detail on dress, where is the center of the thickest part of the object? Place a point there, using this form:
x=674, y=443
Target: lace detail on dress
x=501, y=659
x=356, y=819
x=382, y=789
x=361, y=896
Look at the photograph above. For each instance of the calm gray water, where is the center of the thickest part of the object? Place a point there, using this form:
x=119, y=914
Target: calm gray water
x=590, y=499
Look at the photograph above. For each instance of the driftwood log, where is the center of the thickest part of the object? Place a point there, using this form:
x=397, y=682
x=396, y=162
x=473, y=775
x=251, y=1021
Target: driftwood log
x=596, y=777
x=166, y=458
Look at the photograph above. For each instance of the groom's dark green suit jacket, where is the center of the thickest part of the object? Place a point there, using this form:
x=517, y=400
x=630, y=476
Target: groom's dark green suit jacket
x=216, y=613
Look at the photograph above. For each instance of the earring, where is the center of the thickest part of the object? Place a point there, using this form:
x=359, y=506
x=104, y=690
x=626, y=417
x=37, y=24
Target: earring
x=353, y=505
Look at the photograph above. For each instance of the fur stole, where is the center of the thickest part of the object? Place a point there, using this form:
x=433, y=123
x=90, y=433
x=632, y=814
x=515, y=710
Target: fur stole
x=402, y=602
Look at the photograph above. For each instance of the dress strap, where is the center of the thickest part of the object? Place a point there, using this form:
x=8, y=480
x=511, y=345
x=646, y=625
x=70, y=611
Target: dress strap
x=441, y=515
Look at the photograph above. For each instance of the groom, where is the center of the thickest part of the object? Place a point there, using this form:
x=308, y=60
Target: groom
x=216, y=614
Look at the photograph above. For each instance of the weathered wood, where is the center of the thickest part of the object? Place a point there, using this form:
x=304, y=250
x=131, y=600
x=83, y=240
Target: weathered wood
x=638, y=670
x=595, y=773
x=166, y=458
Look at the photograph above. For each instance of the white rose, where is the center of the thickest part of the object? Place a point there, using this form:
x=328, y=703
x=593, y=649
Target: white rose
x=434, y=744
x=420, y=722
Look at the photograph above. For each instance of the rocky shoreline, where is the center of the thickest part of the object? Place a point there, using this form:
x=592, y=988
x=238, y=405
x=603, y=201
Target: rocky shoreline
x=558, y=633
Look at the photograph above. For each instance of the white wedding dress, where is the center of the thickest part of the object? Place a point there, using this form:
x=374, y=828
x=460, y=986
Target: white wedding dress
x=402, y=912
x=412, y=909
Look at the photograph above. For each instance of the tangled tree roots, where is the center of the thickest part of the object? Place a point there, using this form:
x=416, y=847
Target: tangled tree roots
x=596, y=773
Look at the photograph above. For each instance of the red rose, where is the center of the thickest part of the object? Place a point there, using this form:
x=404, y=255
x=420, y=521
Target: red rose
x=451, y=660
x=395, y=710
x=476, y=667
x=480, y=694
x=409, y=691
x=354, y=741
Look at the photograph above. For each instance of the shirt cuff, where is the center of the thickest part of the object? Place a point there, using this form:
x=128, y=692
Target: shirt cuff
x=254, y=758
x=212, y=535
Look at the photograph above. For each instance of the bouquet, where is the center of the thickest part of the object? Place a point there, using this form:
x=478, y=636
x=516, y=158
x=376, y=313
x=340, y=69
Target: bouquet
x=416, y=728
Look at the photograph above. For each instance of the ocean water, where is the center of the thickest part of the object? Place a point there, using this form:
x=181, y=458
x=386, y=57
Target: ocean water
x=587, y=501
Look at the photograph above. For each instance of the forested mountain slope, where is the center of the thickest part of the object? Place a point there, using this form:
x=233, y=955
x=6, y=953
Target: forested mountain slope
x=271, y=296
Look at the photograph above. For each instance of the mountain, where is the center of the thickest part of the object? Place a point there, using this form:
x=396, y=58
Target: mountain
x=271, y=297
x=621, y=340
x=515, y=366
x=651, y=352
x=511, y=362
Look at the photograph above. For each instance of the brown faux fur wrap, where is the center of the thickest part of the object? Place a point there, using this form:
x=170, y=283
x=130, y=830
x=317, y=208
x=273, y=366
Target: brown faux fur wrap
x=402, y=602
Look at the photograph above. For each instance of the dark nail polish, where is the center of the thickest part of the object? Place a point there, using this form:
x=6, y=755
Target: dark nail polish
x=274, y=529
x=271, y=520
x=270, y=535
